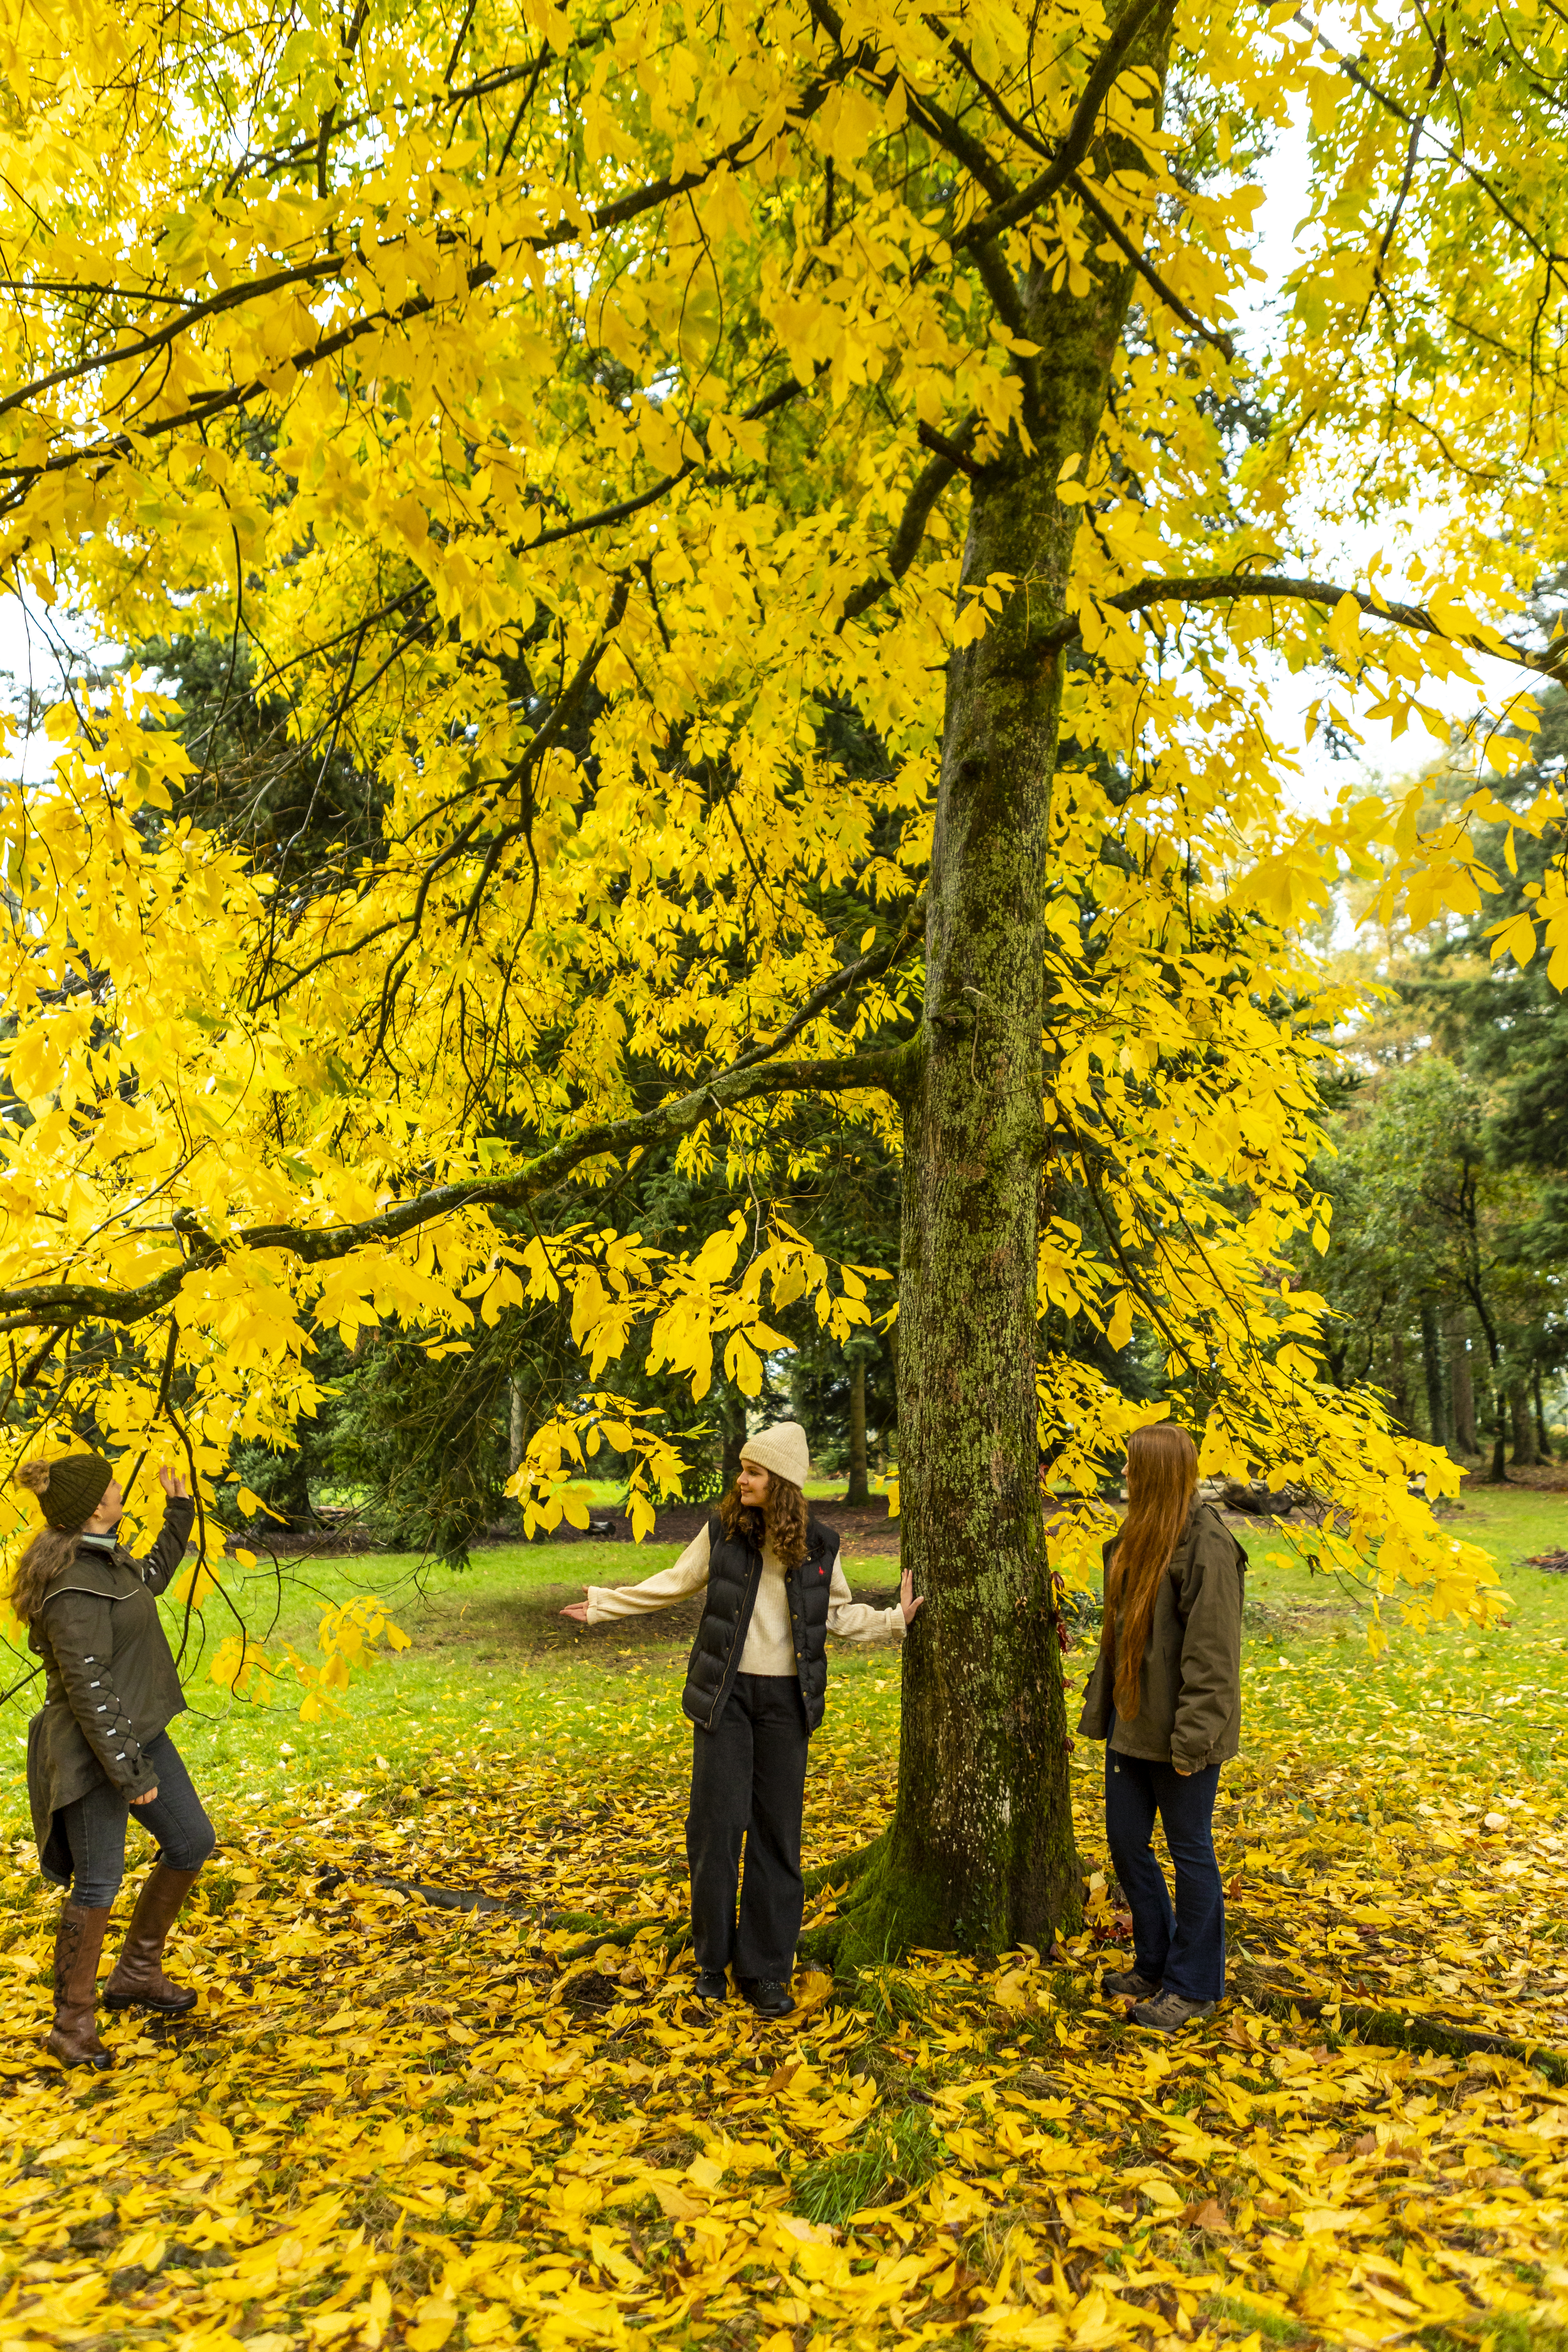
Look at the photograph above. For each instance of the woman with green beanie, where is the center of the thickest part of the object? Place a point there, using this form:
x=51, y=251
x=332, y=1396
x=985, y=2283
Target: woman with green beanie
x=99, y=1747
x=755, y=1689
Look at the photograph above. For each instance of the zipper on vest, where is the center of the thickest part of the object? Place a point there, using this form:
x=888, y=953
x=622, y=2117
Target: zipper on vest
x=731, y=1651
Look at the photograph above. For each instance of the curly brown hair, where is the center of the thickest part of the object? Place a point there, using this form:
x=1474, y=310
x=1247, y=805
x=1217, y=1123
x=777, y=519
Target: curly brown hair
x=783, y=1518
x=48, y=1552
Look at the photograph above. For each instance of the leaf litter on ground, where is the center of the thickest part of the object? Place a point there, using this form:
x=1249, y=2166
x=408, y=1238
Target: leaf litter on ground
x=389, y=2123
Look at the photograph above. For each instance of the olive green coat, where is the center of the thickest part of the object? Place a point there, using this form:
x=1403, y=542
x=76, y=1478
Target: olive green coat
x=109, y=1682
x=1189, y=1709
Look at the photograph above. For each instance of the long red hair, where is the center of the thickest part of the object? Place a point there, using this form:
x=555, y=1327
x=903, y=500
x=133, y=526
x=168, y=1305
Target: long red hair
x=1161, y=1479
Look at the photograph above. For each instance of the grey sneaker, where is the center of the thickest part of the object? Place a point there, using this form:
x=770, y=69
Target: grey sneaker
x=1170, y=2012
x=1126, y=1984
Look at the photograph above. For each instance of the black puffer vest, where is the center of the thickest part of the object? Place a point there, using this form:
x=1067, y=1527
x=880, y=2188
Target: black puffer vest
x=734, y=1573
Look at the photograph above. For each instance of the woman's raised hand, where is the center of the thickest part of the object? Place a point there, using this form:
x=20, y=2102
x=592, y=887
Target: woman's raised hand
x=577, y=1611
x=909, y=1600
x=174, y=1487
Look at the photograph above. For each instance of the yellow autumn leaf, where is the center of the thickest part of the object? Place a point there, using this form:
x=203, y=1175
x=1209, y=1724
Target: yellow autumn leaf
x=195, y=1583
x=1343, y=632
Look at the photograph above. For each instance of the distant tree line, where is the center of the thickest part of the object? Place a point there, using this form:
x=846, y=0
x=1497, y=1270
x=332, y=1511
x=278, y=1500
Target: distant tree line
x=1447, y=1269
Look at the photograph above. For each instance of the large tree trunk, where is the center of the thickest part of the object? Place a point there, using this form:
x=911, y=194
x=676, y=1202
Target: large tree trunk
x=859, y=1481
x=980, y=1853
x=1543, y=1436
x=732, y=1430
x=1525, y=1453
x=1399, y=1382
x=1439, y=1398
x=1463, y=1390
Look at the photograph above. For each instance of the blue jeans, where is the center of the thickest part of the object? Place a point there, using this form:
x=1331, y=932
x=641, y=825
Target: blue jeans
x=1185, y=1948
x=95, y=1828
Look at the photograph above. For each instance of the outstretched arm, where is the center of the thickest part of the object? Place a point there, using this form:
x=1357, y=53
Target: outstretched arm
x=166, y=1554
x=854, y=1621
x=689, y=1574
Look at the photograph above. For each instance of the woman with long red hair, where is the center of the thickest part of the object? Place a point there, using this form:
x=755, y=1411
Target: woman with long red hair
x=1165, y=1696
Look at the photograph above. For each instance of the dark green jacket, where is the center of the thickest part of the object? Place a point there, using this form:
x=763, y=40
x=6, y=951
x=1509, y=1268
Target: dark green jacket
x=109, y=1679
x=1189, y=1710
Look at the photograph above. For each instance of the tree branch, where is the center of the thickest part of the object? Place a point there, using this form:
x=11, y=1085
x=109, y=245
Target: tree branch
x=321, y=270
x=1219, y=587
x=943, y=129
x=780, y=395
x=1172, y=299
x=1078, y=138
x=38, y=1307
x=953, y=452
x=1451, y=155
x=867, y=967
x=951, y=457
x=548, y=732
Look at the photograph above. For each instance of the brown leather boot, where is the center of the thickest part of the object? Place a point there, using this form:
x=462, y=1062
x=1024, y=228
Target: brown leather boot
x=139, y=1981
x=79, y=1940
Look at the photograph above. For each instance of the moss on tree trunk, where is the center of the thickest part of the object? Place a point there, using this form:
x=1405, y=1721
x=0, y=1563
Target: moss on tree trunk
x=980, y=1853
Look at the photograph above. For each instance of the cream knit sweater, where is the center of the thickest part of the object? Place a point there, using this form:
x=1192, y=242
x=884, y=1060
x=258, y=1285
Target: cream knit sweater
x=770, y=1647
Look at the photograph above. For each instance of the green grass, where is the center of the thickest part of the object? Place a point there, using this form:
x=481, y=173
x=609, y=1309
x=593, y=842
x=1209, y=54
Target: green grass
x=902, y=2154
x=492, y=1666
x=1309, y=1679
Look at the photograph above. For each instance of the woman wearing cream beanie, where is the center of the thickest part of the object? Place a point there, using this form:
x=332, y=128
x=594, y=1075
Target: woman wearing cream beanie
x=755, y=1691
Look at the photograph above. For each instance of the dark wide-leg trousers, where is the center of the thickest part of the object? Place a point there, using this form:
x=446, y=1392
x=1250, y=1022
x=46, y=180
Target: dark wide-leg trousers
x=748, y=1788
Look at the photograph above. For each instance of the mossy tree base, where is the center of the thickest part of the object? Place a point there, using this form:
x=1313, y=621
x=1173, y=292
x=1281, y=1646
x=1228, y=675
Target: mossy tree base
x=887, y=1909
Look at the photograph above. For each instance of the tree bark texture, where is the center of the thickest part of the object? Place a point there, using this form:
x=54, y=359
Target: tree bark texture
x=732, y=1424
x=1463, y=1391
x=1523, y=1432
x=980, y=1853
x=1498, y=1471
x=859, y=1481
x=1399, y=1383
x=1440, y=1397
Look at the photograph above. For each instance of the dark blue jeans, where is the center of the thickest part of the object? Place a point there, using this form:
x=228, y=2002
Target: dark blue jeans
x=1185, y=1948
x=95, y=1828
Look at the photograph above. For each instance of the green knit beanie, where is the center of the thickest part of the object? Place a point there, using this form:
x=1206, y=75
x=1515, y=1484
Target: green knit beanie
x=69, y=1490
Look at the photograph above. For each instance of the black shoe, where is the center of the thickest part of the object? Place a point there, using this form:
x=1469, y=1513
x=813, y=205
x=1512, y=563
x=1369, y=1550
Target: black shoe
x=767, y=1996
x=712, y=1984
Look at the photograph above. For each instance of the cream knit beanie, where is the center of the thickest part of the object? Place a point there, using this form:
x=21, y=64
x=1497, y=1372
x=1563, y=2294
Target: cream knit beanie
x=783, y=1450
